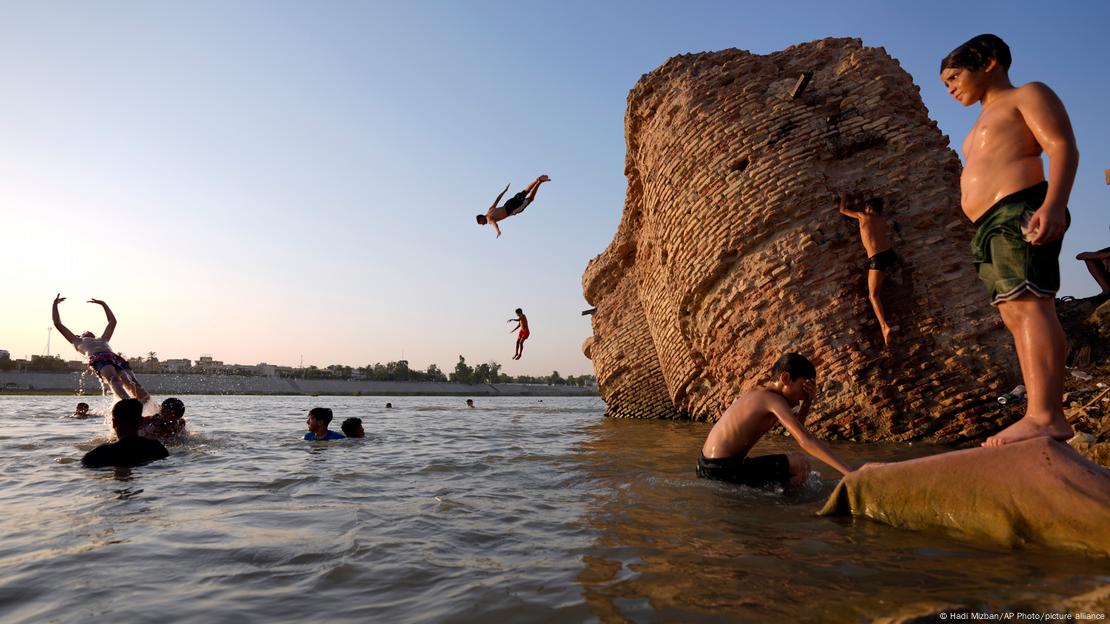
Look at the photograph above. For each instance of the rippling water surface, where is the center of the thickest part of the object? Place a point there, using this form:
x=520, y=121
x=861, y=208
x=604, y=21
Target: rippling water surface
x=517, y=511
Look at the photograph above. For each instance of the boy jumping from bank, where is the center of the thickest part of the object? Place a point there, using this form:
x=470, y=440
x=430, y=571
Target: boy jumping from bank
x=874, y=231
x=112, y=370
x=724, y=454
x=516, y=204
x=1021, y=218
x=521, y=324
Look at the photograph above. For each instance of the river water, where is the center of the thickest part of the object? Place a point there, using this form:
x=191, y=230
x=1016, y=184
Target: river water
x=520, y=510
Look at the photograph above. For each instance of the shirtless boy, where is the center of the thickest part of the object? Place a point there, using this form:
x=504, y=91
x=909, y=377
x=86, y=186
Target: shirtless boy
x=168, y=423
x=1021, y=218
x=521, y=324
x=109, y=367
x=516, y=204
x=874, y=231
x=724, y=454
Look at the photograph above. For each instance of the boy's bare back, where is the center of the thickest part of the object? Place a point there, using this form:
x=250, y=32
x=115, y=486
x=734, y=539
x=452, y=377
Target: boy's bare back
x=874, y=231
x=747, y=420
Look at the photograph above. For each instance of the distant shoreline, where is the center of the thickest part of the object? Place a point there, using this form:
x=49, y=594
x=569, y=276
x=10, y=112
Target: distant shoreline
x=68, y=384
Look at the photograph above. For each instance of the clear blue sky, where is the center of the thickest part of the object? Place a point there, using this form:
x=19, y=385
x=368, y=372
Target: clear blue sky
x=264, y=181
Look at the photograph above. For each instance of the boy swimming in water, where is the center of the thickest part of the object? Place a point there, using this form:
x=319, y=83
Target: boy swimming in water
x=1021, y=218
x=168, y=423
x=82, y=411
x=318, y=420
x=112, y=370
x=874, y=231
x=516, y=204
x=130, y=449
x=521, y=324
x=352, y=428
x=724, y=454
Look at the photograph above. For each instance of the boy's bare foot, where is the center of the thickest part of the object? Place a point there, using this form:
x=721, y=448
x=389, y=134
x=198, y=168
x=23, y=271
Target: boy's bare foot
x=1027, y=429
x=544, y=178
x=886, y=335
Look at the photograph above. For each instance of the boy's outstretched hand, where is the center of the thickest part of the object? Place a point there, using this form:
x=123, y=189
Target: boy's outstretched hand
x=58, y=299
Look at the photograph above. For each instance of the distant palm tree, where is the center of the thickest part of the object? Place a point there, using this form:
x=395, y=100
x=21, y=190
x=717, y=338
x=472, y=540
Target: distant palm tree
x=151, y=356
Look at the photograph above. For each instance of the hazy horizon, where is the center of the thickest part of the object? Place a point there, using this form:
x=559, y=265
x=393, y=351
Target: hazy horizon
x=269, y=181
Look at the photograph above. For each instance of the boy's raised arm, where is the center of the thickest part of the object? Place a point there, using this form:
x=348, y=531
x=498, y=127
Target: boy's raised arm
x=111, y=328
x=843, y=207
x=498, y=200
x=806, y=440
x=58, y=320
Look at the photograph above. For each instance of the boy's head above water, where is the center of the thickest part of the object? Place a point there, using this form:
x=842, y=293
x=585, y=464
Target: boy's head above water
x=352, y=428
x=791, y=374
x=318, y=419
x=127, y=416
x=173, y=408
x=82, y=408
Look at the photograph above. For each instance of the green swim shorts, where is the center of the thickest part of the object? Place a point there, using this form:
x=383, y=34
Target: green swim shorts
x=1008, y=265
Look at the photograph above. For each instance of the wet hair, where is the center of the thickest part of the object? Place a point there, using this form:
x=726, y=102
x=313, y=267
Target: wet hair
x=389, y=405
x=88, y=334
x=350, y=426
x=83, y=404
x=876, y=204
x=975, y=53
x=797, y=366
x=519, y=311
x=481, y=219
x=322, y=414
x=175, y=405
x=127, y=415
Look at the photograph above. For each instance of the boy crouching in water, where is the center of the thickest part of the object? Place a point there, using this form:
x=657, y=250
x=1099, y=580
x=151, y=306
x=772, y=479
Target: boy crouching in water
x=724, y=454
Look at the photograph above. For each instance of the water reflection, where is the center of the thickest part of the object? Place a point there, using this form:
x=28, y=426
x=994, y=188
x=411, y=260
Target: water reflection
x=673, y=544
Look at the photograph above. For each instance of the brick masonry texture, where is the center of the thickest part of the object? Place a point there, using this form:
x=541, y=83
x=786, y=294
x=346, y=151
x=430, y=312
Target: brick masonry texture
x=731, y=252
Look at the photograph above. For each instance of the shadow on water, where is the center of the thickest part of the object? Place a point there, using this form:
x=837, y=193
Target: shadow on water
x=675, y=546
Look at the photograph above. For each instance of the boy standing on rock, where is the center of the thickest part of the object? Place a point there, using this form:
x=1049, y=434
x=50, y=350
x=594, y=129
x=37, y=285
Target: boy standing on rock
x=724, y=454
x=874, y=231
x=1021, y=218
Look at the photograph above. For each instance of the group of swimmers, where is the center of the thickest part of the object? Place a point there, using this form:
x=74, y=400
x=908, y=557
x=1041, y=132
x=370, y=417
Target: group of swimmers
x=1020, y=218
x=139, y=439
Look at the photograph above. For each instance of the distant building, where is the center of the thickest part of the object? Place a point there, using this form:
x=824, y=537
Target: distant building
x=265, y=370
x=178, y=365
x=206, y=364
x=4, y=355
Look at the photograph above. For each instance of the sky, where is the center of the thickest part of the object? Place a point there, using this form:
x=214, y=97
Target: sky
x=290, y=182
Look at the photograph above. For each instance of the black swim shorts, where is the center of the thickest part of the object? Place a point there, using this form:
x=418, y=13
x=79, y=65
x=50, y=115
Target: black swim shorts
x=517, y=203
x=882, y=260
x=750, y=471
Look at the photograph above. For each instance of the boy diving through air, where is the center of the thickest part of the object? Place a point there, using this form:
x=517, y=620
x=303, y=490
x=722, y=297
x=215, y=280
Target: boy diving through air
x=112, y=370
x=516, y=204
x=1021, y=217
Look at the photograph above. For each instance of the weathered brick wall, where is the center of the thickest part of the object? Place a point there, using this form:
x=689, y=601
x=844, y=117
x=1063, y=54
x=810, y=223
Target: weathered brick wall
x=731, y=251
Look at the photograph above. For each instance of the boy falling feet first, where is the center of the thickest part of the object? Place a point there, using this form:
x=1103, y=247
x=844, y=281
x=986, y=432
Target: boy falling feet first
x=1021, y=217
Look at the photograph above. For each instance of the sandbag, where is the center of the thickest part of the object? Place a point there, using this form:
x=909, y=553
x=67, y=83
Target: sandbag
x=1037, y=491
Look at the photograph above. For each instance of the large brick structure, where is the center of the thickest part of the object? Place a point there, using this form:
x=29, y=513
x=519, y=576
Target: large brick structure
x=731, y=251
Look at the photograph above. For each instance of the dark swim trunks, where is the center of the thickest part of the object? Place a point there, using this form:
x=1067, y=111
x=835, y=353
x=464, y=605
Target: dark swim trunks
x=98, y=361
x=517, y=203
x=1008, y=265
x=750, y=471
x=882, y=260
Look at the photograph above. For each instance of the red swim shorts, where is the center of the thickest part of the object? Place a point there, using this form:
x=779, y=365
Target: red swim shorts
x=523, y=335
